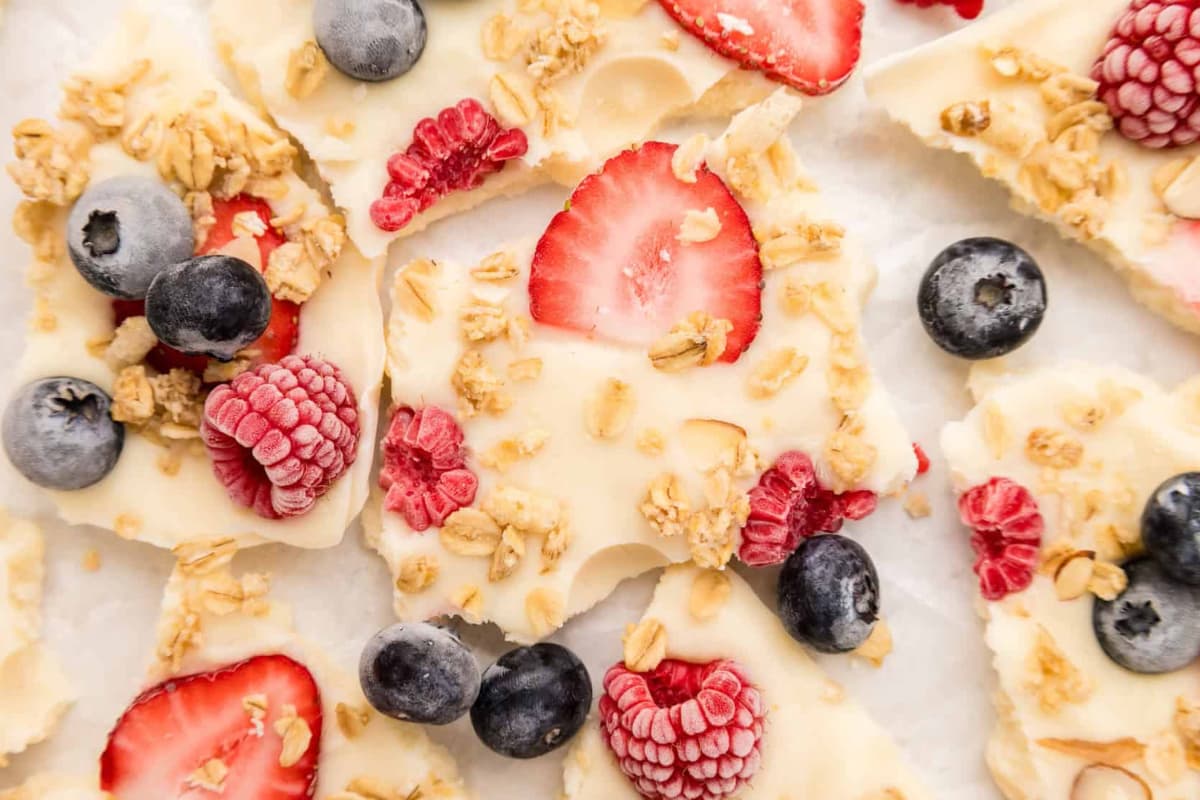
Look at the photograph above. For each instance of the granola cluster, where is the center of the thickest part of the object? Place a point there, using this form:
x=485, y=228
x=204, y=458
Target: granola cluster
x=1057, y=145
x=166, y=407
x=710, y=527
x=549, y=40
x=499, y=527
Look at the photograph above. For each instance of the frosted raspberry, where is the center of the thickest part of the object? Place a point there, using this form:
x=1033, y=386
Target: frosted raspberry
x=455, y=151
x=684, y=730
x=281, y=434
x=1007, y=534
x=1149, y=70
x=424, y=467
x=967, y=9
x=788, y=504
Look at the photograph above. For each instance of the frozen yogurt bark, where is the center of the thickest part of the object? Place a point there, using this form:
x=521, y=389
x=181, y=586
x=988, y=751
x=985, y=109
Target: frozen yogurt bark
x=812, y=740
x=562, y=85
x=55, y=787
x=1054, y=467
x=34, y=691
x=146, y=110
x=250, y=707
x=1106, y=157
x=562, y=422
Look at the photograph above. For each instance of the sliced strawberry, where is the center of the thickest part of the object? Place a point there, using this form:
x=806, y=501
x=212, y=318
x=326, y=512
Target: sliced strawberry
x=173, y=729
x=281, y=335
x=612, y=264
x=811, y=45
x=221, y=233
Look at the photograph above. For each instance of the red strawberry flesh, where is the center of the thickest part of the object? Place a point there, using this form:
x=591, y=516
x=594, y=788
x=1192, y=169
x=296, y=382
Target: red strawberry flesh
x=810, y=45
x=173, y=729
x=611, y=265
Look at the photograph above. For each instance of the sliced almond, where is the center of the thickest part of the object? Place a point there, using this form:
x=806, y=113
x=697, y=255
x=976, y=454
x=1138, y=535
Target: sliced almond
x=1111, y=753
x=1104, y=782
x=711, y=443
x=244, y=248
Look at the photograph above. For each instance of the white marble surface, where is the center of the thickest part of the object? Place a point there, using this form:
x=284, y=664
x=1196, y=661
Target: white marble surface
x=903, y=201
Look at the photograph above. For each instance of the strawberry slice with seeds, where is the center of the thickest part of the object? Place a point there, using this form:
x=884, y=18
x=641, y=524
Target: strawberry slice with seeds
x=612, y=265
x=172, y=730
x=811, y=45
x=222, y=233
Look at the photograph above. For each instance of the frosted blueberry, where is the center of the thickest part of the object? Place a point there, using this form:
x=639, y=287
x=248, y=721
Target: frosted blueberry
x=418, y=673
x=828, y=594
x=370, y=40
x=124, y=231
x=209, y=305
x=58, y=433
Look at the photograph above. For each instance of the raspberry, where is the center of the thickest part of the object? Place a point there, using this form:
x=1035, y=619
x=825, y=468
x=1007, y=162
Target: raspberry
x=967, y=9
x=456, y=151
x=1148, y=72
x=1007, y=533
x=684, y=730
x=789, y=504
x=281, y=434
x=922, y=459
x=424, y=467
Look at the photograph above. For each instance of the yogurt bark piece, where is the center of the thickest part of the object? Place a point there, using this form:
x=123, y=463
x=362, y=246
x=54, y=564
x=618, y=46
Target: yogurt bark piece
x=34, y=691
x=56, y=787
x=550, y=464
x=579, y=79
x=212, y=619
x=816, y=741
x=1013, y=93
x=145, y=107
x=1089, y=444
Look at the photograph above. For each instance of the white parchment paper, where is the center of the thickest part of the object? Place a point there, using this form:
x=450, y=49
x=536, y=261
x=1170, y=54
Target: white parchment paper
x=905, y=202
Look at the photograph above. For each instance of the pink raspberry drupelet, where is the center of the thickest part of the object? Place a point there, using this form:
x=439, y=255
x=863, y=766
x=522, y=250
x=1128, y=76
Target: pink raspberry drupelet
x=1007, y=535
x=790, y=504
x=281, y=434
x=424, y=467
x=684, y=730
x=1150, y=70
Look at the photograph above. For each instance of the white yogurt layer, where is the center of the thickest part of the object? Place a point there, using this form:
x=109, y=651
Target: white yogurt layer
x=600, y=483
x=34, y=691
x=818, y=742
x=56, y=787
x=341, y=322
x=1133, y=436
x=1119, y=213
x=647, y=70
x=392, y=754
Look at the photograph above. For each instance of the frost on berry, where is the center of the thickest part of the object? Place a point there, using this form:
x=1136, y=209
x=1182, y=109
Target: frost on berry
x=789, y=504
x=1148, y=73
x=1007, y=530
x=424, y=467
x=684, y=730
x=452, y=152
x=281, y=434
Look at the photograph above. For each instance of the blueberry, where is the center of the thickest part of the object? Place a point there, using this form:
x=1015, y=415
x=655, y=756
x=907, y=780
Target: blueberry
x=371, y=40
x=1171, y=527
x=533, y=700
x=1154, y=625
x=829, y=594
x=419, y=673
x=123, y=231
x=209, y=305
x=58, y=433
x=982, y=298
